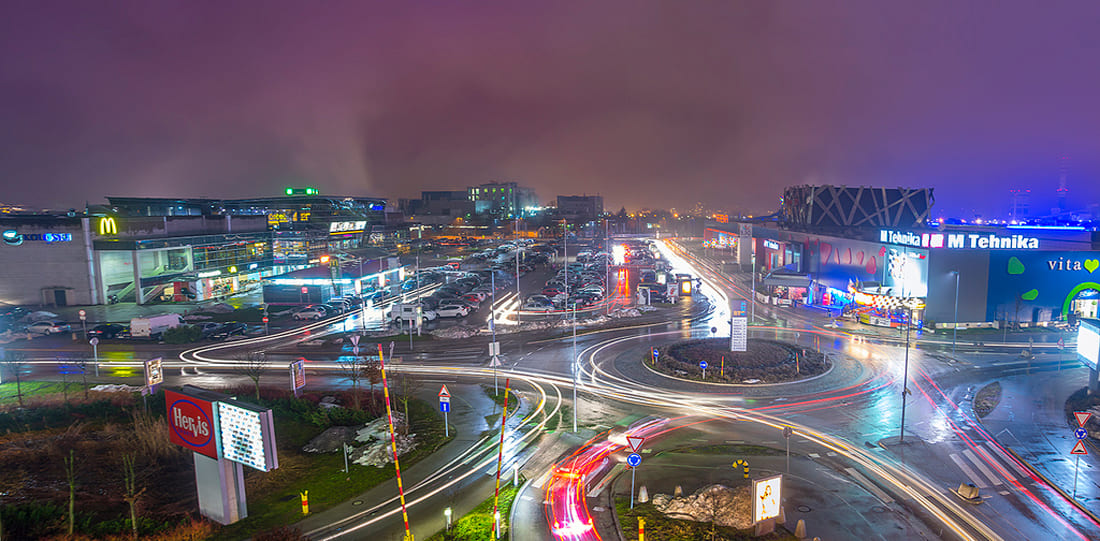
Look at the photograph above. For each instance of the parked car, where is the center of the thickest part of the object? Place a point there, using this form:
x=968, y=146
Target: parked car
x=311, y=312
x=452, y=310
x=230, y=329
x=106, y=331
x=208, y=328
x=334, y=307
x=48, y=327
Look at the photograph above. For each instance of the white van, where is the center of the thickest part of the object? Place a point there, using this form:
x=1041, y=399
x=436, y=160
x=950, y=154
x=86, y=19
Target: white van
x=154, y=326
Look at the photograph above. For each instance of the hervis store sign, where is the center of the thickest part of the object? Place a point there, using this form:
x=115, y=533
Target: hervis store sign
x=191, y=423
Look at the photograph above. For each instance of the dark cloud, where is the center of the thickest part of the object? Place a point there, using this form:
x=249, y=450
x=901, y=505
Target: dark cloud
x=649, y=103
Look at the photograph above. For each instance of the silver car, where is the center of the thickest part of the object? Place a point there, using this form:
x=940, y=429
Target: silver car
x=48, y=327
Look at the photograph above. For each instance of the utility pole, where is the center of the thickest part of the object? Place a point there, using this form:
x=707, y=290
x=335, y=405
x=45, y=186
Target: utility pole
x=955, y=327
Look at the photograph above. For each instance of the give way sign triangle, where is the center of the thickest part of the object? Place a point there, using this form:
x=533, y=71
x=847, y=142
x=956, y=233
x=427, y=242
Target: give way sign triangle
x=1082, y=417
x=635, y=442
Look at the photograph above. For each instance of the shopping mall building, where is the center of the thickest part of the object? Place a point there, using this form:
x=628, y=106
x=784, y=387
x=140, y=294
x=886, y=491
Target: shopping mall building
x=1029, y=275
x=180, y=250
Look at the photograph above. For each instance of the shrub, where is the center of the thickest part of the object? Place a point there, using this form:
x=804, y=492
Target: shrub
x=183, y=334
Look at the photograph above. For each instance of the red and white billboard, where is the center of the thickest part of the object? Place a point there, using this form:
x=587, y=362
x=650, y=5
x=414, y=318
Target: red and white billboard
x=191, y=423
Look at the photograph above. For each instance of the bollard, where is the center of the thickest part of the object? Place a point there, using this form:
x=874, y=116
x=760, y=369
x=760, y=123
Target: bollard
x=678, y=492
x=800, y=529
x=643, y=494
x=305, y=502
x=641, y=529
x=782, y=518
x=741, y=463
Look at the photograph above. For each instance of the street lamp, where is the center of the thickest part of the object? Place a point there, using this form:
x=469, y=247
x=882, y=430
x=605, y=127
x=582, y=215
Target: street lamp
x=575, y=367
x=955, y=327
x=447, y=513
x=905, y=375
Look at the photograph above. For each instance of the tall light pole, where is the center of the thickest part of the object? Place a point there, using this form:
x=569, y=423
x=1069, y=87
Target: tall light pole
x=905, y=375
x=493, y=325
x=606, y=268
x=576, y=367
x=565, y=255
x=955, y=327
x=752, y=254
x=515, y=241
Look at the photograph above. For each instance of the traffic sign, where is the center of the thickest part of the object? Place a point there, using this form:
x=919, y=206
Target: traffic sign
x=703, y=365
x=444, y=392
x=494, y=348
x=1081, y=433
x=635, y=442
x=82, y=314
x=1082, y=417
x=655, y=353
x=787, y=431
x=444, y=406
x=1061, y=344
x=495, y=361
x=94, y=341
x=1079, y=449
x=633, y=459
x=354, y=339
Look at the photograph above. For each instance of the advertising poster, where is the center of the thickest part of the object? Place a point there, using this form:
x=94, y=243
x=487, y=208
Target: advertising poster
x=765, y=498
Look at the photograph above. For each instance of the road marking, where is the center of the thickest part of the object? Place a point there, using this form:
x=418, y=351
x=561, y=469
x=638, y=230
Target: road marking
x=984, y=469
x=1004, y=457
x=830, y=453
x=596, y=490
x=969, y=472
x=815, y=455
x=867, y=484
x=770, y=442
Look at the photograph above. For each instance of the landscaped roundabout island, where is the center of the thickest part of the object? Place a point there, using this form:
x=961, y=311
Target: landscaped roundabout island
x=766, y=361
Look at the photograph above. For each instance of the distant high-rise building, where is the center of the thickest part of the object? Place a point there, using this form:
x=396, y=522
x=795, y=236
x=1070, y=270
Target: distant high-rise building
x=506, y=199
x=580, y=206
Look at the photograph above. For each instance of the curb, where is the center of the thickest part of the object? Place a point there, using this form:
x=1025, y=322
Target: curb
x=742, y=385
x=1068, y=498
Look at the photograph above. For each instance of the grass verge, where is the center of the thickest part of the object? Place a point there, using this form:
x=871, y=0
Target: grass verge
x=477, y=525
x=274, y=497
x=659, y=526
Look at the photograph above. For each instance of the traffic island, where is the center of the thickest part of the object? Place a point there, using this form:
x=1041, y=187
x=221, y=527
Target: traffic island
x=987, y=399
x=712, y=361
x=711, y=513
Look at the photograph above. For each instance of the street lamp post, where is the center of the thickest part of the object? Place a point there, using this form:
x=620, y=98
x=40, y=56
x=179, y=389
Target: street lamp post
x=493, y=325
x=905, y=375
x=752, y=254
x=575, y=367
x=447, y=513
x=955, y=327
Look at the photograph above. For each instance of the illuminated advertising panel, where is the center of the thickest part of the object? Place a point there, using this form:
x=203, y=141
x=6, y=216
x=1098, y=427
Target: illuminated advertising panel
x=297, y=374
x=247, y=435
x=191, y=423
x=338, y=228
x=1088, y=343
x=974, y=241
x=153, y=374
x=766, y=498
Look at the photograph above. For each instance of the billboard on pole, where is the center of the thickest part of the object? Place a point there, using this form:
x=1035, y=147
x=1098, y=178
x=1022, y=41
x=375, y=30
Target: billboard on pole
x=154, y=375
x=766, y=497
x=191, y=423
x=297, y=374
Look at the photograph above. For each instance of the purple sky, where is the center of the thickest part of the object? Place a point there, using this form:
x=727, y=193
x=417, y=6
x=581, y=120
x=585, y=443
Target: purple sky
x=649, y=103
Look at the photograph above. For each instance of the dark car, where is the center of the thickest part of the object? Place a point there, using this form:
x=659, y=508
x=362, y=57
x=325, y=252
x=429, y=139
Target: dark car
x=230, y=329
x=106, y=331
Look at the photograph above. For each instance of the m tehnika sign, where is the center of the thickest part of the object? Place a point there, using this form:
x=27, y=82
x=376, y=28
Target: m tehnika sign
x=977, y=241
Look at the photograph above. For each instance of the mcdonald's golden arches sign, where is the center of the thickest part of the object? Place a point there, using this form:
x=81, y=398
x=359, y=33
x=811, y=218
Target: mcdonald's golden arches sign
x=108, y=226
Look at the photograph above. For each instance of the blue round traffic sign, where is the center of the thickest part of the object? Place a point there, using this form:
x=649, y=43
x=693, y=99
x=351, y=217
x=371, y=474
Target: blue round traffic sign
x=634, y=459
x=655, y=352
x=1081, y=433
x=703, y=365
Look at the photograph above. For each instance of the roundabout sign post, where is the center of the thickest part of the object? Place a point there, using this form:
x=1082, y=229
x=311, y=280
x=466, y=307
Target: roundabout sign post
x=703, y=365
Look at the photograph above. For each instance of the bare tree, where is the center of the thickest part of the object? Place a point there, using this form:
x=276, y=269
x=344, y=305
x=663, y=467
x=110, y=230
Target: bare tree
x=405, y=387
x=354, y=371
x=132, y=493
x=16, y=362
x=372, y=373
x=70, y=476
x=253, y=365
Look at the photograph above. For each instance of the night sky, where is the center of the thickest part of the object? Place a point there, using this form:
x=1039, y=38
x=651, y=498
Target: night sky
x=651, y=104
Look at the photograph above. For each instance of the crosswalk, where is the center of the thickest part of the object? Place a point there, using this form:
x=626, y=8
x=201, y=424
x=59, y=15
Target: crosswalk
x=986, y=465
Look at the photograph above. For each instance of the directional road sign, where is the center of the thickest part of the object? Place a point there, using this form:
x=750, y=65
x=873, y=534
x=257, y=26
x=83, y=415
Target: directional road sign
x=1079, y=449
x=635, y=442
x=633, y=459
x=703, y=365
x=1081, y=433
x=655, y=353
